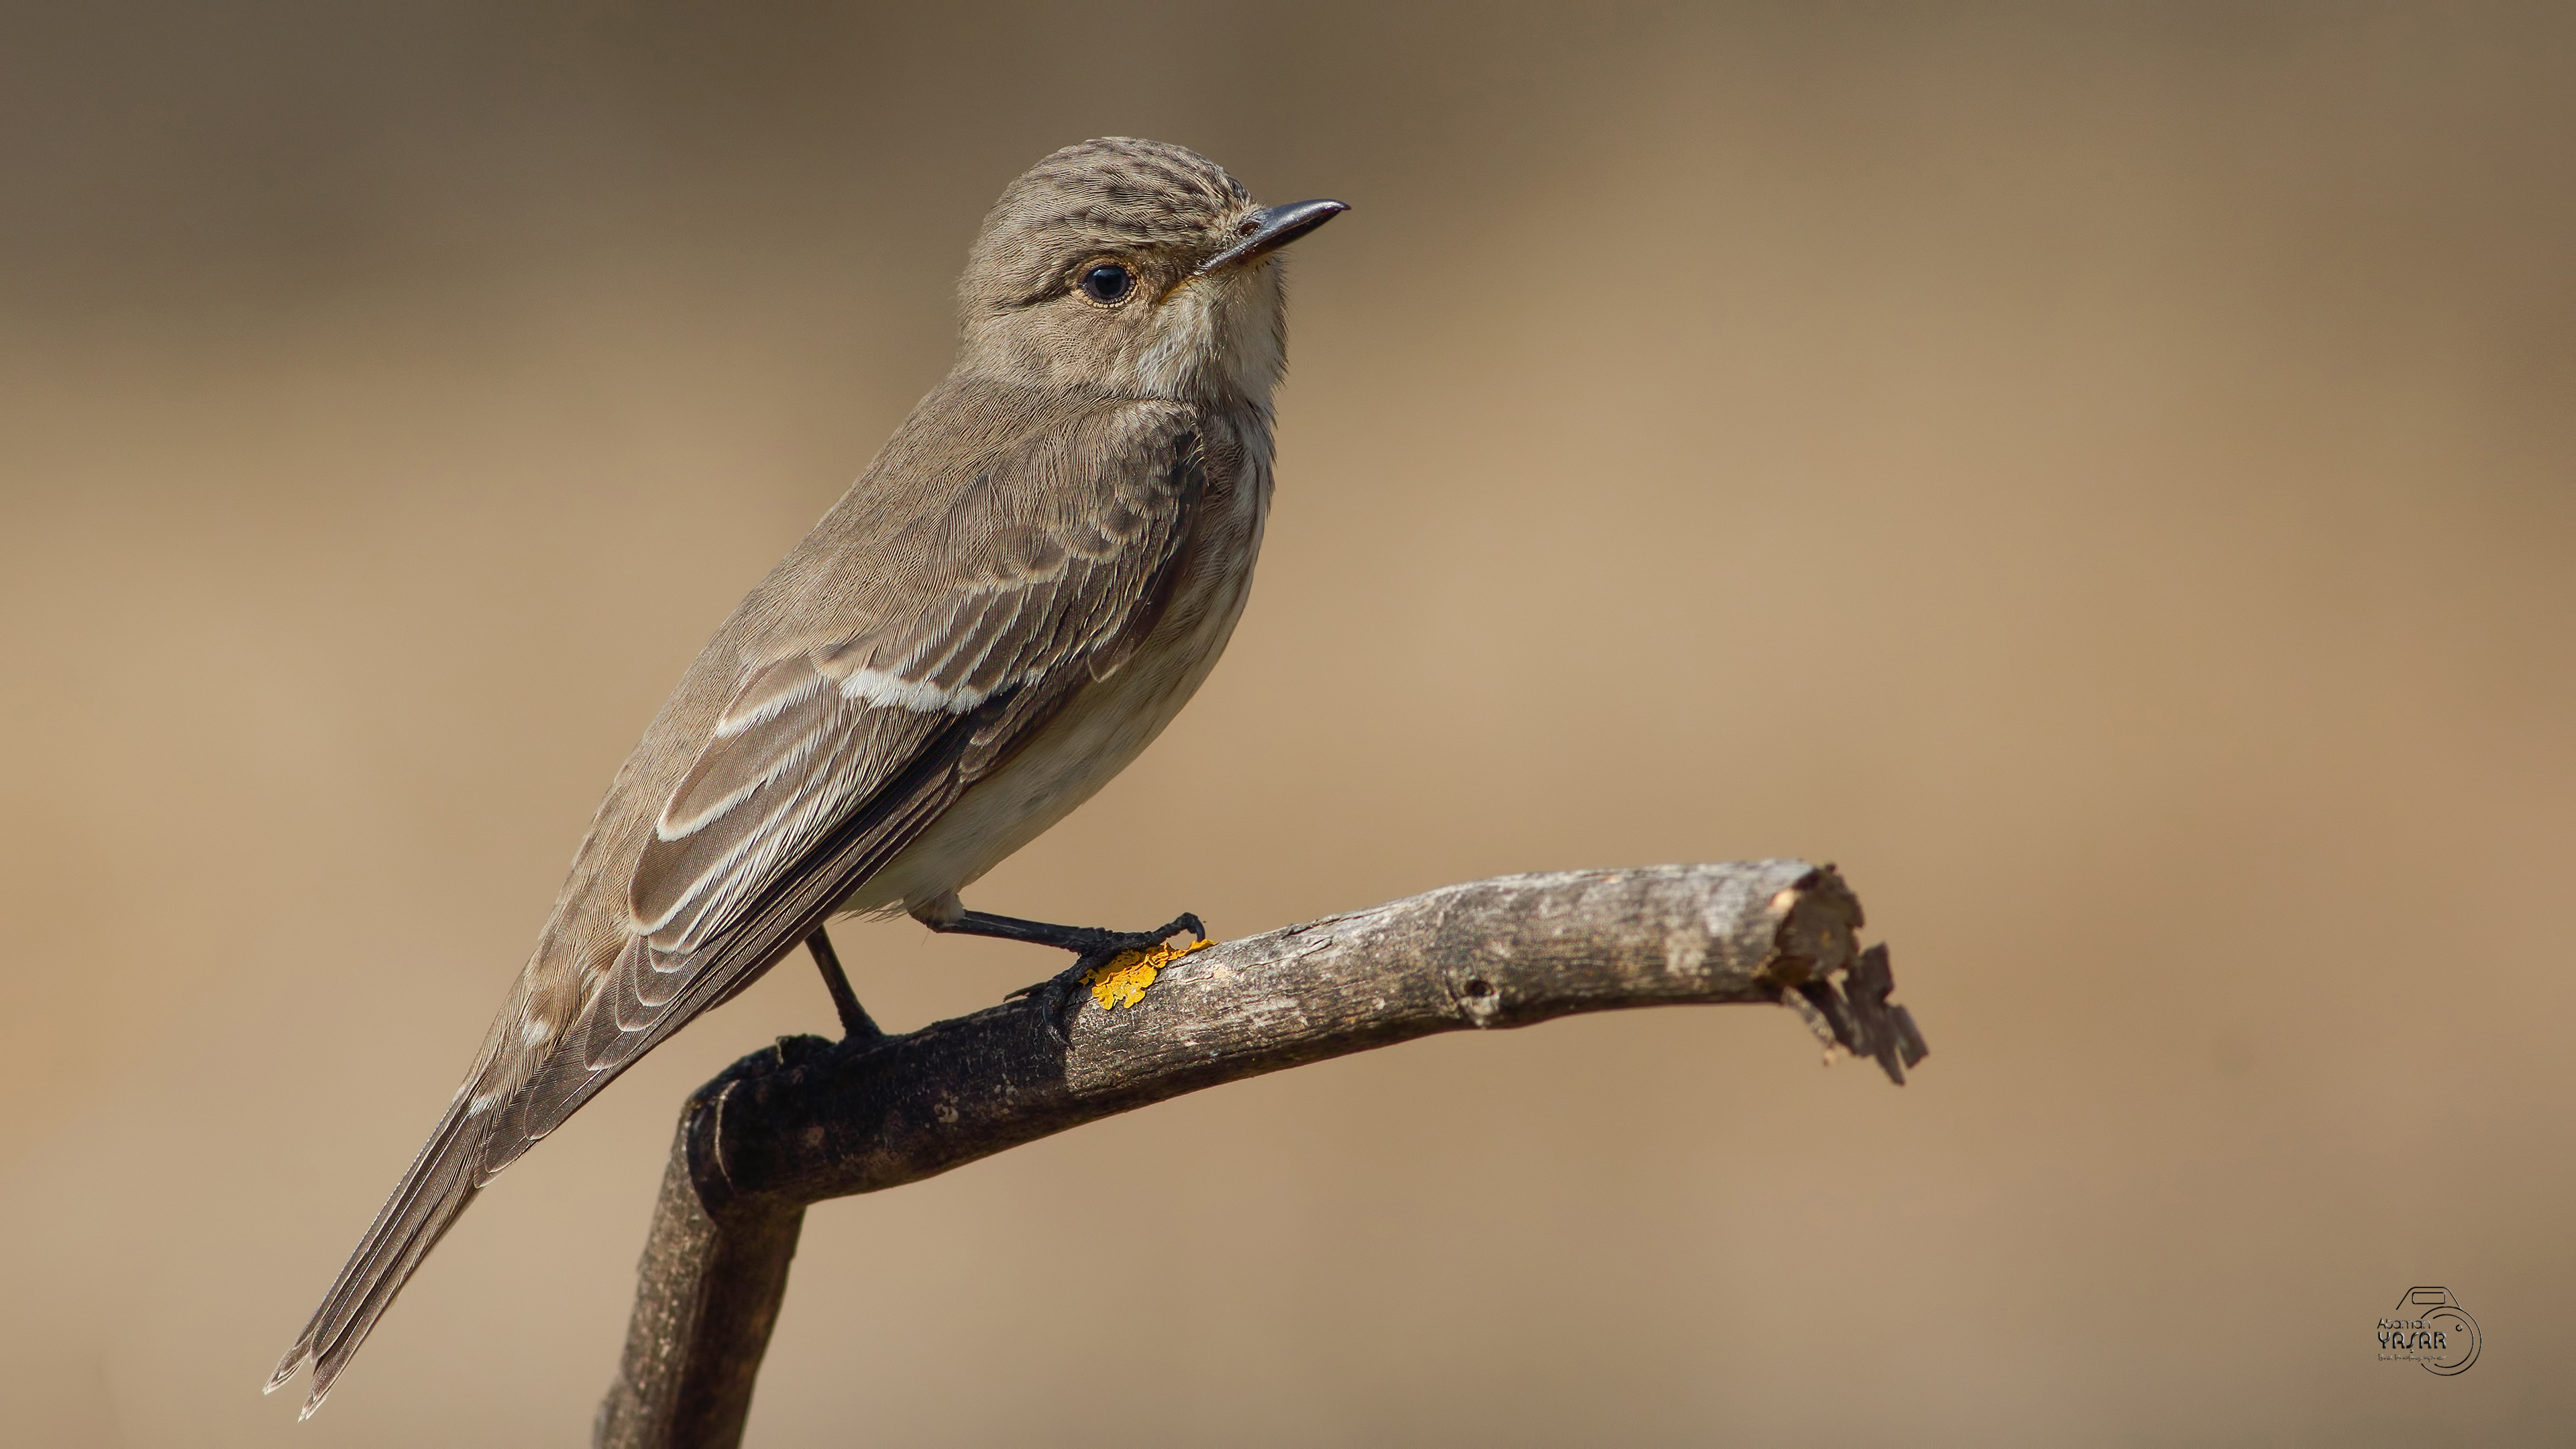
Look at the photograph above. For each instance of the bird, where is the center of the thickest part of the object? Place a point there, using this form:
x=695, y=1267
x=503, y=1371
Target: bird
x=1033, y=576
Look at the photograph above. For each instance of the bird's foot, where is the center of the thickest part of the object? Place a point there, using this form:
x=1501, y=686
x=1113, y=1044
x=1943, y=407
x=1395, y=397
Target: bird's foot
x=1122, y=979
x=1116, y=965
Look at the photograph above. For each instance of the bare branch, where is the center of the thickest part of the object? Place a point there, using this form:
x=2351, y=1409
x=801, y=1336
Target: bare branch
x=809, y=1120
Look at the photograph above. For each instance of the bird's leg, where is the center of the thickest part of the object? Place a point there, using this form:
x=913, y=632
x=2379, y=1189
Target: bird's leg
x=1082, y=941
x=1091, y=946
x=855, y=1025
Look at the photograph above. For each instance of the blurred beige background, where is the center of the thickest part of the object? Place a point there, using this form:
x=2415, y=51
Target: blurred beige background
x=2104, y=475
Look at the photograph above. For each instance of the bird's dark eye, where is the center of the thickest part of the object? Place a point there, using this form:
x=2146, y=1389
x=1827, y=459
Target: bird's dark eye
x=1108, y=284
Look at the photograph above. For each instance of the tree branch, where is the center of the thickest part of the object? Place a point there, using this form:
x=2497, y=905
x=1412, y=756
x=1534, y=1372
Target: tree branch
x=809, y=1119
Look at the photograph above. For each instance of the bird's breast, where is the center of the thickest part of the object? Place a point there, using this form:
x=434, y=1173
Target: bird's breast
x=1110, y=720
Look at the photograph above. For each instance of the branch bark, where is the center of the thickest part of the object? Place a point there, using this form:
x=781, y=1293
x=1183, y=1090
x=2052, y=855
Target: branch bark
x=808, y=1119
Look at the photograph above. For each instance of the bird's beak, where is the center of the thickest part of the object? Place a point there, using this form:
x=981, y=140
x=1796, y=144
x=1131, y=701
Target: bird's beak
x=1273, y=228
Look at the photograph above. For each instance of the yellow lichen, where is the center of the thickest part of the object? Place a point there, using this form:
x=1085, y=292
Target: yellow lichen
x=1123, y=981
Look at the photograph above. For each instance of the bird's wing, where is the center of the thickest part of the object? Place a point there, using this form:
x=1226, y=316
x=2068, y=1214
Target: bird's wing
x=1045, y=567
x=961, y=627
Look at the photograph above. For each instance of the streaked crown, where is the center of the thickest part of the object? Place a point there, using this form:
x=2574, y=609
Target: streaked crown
x=1115, y=195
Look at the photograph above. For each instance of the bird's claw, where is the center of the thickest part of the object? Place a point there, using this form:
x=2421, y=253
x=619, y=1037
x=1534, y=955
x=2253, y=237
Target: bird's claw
x=1057, y=997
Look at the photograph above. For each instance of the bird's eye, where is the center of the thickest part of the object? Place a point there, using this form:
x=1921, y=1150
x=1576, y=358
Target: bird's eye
x=1108, y=284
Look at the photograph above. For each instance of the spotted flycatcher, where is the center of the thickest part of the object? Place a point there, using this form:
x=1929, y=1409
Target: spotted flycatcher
x=1034, y=575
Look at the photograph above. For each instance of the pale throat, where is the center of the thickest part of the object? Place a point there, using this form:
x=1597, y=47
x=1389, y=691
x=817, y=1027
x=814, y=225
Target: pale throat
x=1213, y=334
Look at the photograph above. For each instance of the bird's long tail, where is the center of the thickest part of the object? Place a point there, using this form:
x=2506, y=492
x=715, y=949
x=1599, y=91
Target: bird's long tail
x=445, y=1177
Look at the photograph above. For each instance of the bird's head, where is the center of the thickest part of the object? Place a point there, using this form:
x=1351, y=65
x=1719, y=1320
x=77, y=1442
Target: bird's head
x=1135, y=268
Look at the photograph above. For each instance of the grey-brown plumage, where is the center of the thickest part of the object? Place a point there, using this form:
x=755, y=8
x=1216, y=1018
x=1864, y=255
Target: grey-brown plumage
x=1033, y=576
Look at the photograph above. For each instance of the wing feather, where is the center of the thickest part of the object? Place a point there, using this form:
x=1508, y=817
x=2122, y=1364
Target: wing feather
x=831, y=755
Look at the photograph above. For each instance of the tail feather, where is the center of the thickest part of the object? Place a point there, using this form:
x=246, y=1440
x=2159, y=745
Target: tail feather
x=442, y=1180
x=528, y=1087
